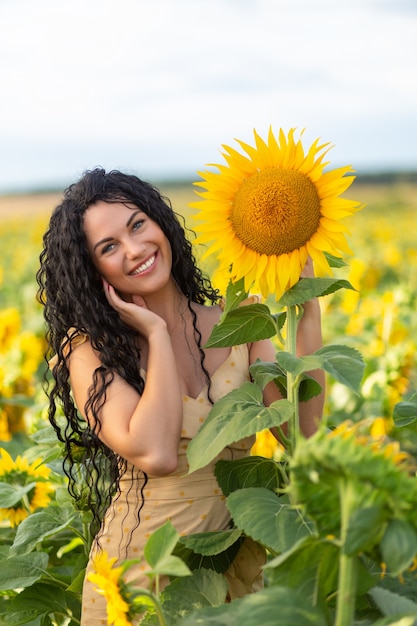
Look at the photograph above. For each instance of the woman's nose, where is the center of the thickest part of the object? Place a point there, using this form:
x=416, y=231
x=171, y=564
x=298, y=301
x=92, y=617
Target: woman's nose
x=133, y=248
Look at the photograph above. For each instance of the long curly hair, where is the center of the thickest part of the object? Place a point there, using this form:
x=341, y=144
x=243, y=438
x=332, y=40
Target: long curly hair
x=71, y=292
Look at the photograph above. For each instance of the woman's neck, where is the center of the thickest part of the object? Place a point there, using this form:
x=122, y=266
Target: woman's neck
x=171, y=305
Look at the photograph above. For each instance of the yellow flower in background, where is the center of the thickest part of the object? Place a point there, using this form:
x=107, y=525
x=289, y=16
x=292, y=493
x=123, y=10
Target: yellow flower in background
x=107, y=578
x=32, y=349
x=265, y=212
x=266, y=445
x=21, y=353
x=373, y=434
x=357, y=270
x=381, y=427
x=5, y=434
x=19, y=473
x=9, y=327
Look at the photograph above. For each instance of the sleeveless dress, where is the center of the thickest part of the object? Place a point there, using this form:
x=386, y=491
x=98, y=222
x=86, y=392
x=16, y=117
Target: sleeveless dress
x=193, y=502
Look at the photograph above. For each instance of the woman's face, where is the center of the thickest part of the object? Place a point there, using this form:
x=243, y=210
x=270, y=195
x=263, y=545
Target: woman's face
x=128, y=249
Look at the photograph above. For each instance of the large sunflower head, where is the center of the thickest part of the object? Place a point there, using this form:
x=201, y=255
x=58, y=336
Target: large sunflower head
x=266, y=211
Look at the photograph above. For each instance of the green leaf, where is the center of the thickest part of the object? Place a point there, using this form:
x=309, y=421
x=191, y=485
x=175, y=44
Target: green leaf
x=390, y=603
x=251, y=471
x=267, y=518
x=280, y=319
x=39, y=526
x=398, y=546
x=395, y=620
x=237, y=415
x=308, y=288
x=208, y=586
x=22, y=571
x=235, y=295
x=293, y=364
x=404, y=585
x=264, y=372
x=243, y=325
x=405, y=413
x=345, y=364
x=170, y=566
x=211, y=542
x=364, y=530
x=28, y=616
x=161, y=543
x=214, y=552
x=273, y=606
x=10, y=495
x=158, y=552
x=203, y=588
x=310, y=566
x=309, y=388
x=43, y=599
x=45, y=435
x=334, y=261
x=76, y=585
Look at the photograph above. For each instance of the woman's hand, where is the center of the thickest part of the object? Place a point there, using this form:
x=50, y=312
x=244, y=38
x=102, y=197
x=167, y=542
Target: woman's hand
x=135, y=313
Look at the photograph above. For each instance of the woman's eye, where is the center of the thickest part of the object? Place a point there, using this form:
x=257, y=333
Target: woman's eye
x=137, y=224
x=107, y=248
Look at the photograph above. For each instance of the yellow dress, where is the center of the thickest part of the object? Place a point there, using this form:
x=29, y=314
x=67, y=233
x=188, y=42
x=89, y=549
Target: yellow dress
x=193, y=502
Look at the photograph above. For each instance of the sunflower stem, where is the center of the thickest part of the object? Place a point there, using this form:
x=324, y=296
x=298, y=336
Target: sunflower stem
x=292, y=386
x=156, y=603
x=345, y=607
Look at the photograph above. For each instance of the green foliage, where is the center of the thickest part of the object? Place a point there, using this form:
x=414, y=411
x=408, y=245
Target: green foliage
x=239, y=414
x=276, y=605
x=324, y=507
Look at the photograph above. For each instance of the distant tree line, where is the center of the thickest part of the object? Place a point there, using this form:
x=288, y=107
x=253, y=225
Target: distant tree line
x=386, y=178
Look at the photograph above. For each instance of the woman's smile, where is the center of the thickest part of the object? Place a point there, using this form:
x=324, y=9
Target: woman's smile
x=140, y=269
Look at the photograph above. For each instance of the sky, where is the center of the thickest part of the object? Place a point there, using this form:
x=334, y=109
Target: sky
x=156, y=87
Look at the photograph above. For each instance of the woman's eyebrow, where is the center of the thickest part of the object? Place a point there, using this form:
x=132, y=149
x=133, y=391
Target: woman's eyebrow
x=106, y=239
x=132, y=217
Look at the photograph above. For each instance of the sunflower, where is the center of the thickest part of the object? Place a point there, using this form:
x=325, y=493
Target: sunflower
x=108, y=580
x=20, y=473
x=380, y=473
x=265, y=212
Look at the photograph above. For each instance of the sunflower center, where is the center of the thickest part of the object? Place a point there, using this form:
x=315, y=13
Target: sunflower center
x=276, y=211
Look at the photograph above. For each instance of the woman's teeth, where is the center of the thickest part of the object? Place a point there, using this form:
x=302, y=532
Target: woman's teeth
x=145, y=266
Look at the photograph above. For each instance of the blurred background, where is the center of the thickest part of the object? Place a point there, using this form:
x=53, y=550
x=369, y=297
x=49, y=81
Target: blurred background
x=156, y=86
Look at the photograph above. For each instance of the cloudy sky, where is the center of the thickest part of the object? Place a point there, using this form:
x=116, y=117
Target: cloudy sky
x=156, y=86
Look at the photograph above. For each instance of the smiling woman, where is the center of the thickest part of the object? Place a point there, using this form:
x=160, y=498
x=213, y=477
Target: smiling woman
x=126, y=244
x=128, y=313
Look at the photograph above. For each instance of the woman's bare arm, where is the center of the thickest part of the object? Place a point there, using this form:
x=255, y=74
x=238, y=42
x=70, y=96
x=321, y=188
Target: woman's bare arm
x=144, y=430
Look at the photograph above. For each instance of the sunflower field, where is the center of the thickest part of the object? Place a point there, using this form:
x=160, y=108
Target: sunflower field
x=342, y=542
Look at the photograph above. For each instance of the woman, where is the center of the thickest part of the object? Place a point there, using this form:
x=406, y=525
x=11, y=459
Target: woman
x=128, y=313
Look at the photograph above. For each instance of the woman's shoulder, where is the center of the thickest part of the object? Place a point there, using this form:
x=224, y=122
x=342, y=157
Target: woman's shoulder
x=72, y=340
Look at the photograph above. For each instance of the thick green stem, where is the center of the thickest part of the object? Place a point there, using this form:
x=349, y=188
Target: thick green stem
x=345, y=608
x=159, y=613
x=292, y=386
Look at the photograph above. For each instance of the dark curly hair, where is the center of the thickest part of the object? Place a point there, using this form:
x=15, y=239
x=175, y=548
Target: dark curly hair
x=71, y=293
